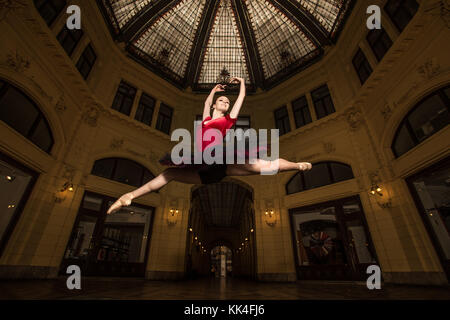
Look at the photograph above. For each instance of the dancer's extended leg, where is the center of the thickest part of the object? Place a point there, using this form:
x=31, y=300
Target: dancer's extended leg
x=270, y=166
x=185, y=175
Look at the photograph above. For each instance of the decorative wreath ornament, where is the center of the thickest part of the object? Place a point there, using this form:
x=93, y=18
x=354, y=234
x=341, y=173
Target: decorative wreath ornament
x=321, y=244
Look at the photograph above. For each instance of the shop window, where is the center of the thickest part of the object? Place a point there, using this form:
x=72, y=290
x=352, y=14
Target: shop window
x=109, y=245
x=16, y=183
x=431, y=191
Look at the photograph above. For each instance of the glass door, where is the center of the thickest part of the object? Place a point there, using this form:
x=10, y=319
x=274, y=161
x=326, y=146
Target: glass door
x=331, y=241
x=431, y=192
x=109, y=245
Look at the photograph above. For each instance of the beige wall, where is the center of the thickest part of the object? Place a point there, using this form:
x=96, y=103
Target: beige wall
x=360, y=133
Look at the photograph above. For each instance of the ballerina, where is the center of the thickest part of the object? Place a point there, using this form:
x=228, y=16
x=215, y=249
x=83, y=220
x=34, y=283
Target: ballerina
x=203, y=173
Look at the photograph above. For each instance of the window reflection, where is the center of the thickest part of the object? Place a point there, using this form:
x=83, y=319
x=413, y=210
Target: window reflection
x=433, y=190
x=425, y=119
x=318, y=238
x=13, y=186
x=81, y=244
x=125, y=235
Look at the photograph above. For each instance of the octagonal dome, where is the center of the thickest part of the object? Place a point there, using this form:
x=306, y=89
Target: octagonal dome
x=197, y=43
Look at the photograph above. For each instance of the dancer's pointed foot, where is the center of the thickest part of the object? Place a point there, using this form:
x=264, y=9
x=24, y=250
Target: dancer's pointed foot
x=123, y=201
x=304, y=166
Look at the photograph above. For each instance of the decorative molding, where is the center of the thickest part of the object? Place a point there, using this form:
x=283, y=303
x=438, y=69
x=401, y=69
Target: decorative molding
x=374, y=176
x=91, y=114
x=445, y=12
x=9, y=5
x=440, y=9
x=137, y=154
x=152, y=156
x=354, y=118
x=68, y=172
x=386, y=112
x=17, y=62
x=310, y=157
x=60, y=105
x=116, y=144
x=426, y=71
x=429, y=69
x=329, y=147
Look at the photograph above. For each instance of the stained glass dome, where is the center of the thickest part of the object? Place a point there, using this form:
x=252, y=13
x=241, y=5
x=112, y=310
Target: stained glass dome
x=194, y=43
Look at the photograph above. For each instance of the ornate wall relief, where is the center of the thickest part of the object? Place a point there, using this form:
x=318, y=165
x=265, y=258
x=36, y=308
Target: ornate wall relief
x=91, y=114
x=354, y=118
x=116, y=144
x=6, y=6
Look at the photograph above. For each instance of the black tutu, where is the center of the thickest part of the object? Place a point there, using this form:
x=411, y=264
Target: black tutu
x=210, y=173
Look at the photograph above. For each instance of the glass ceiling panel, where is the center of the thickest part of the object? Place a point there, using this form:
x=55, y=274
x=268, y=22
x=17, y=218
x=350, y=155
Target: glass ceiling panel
x=124, y=10
x=325, y=11
x=280, y=42
x=169, y=40
x=224, y=49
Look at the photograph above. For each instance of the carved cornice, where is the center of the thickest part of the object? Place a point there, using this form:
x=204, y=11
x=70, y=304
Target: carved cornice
x=17, y=62
x=440, y=9
x=60, y=105
x=424, y=72
x=6, y=6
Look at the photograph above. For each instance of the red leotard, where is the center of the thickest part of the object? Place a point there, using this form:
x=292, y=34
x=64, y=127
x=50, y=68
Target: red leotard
x=222, y=124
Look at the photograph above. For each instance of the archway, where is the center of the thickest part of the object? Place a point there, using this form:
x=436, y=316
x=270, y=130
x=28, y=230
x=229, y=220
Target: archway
x=221, y=215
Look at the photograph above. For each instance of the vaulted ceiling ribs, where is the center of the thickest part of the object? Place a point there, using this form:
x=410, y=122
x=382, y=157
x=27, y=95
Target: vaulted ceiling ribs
x=189, y=42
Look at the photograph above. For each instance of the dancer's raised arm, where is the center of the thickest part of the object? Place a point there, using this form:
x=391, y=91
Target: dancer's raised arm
x=209, y=100
x=238, y=104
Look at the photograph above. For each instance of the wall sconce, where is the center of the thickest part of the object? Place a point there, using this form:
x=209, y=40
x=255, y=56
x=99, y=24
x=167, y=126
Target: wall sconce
x=381, y=196
x=172, y=217
x=10, y=178
x=270, y=218
x=60, y=195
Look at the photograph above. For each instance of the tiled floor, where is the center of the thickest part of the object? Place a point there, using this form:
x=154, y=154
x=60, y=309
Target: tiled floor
x=211, y=289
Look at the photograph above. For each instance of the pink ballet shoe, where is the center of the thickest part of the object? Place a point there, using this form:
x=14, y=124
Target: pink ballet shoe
x=304, y=166
x=123, y=201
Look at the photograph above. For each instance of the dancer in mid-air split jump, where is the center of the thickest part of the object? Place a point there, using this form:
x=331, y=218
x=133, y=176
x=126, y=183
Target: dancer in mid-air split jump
x=210, y=173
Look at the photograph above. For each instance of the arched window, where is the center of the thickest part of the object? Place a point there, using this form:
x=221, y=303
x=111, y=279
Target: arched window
x=425, y=119
x=321, y=174
x=19, y=112
x=123, y=171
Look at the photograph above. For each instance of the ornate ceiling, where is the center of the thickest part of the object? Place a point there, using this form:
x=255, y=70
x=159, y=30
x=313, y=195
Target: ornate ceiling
x=192, y=43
